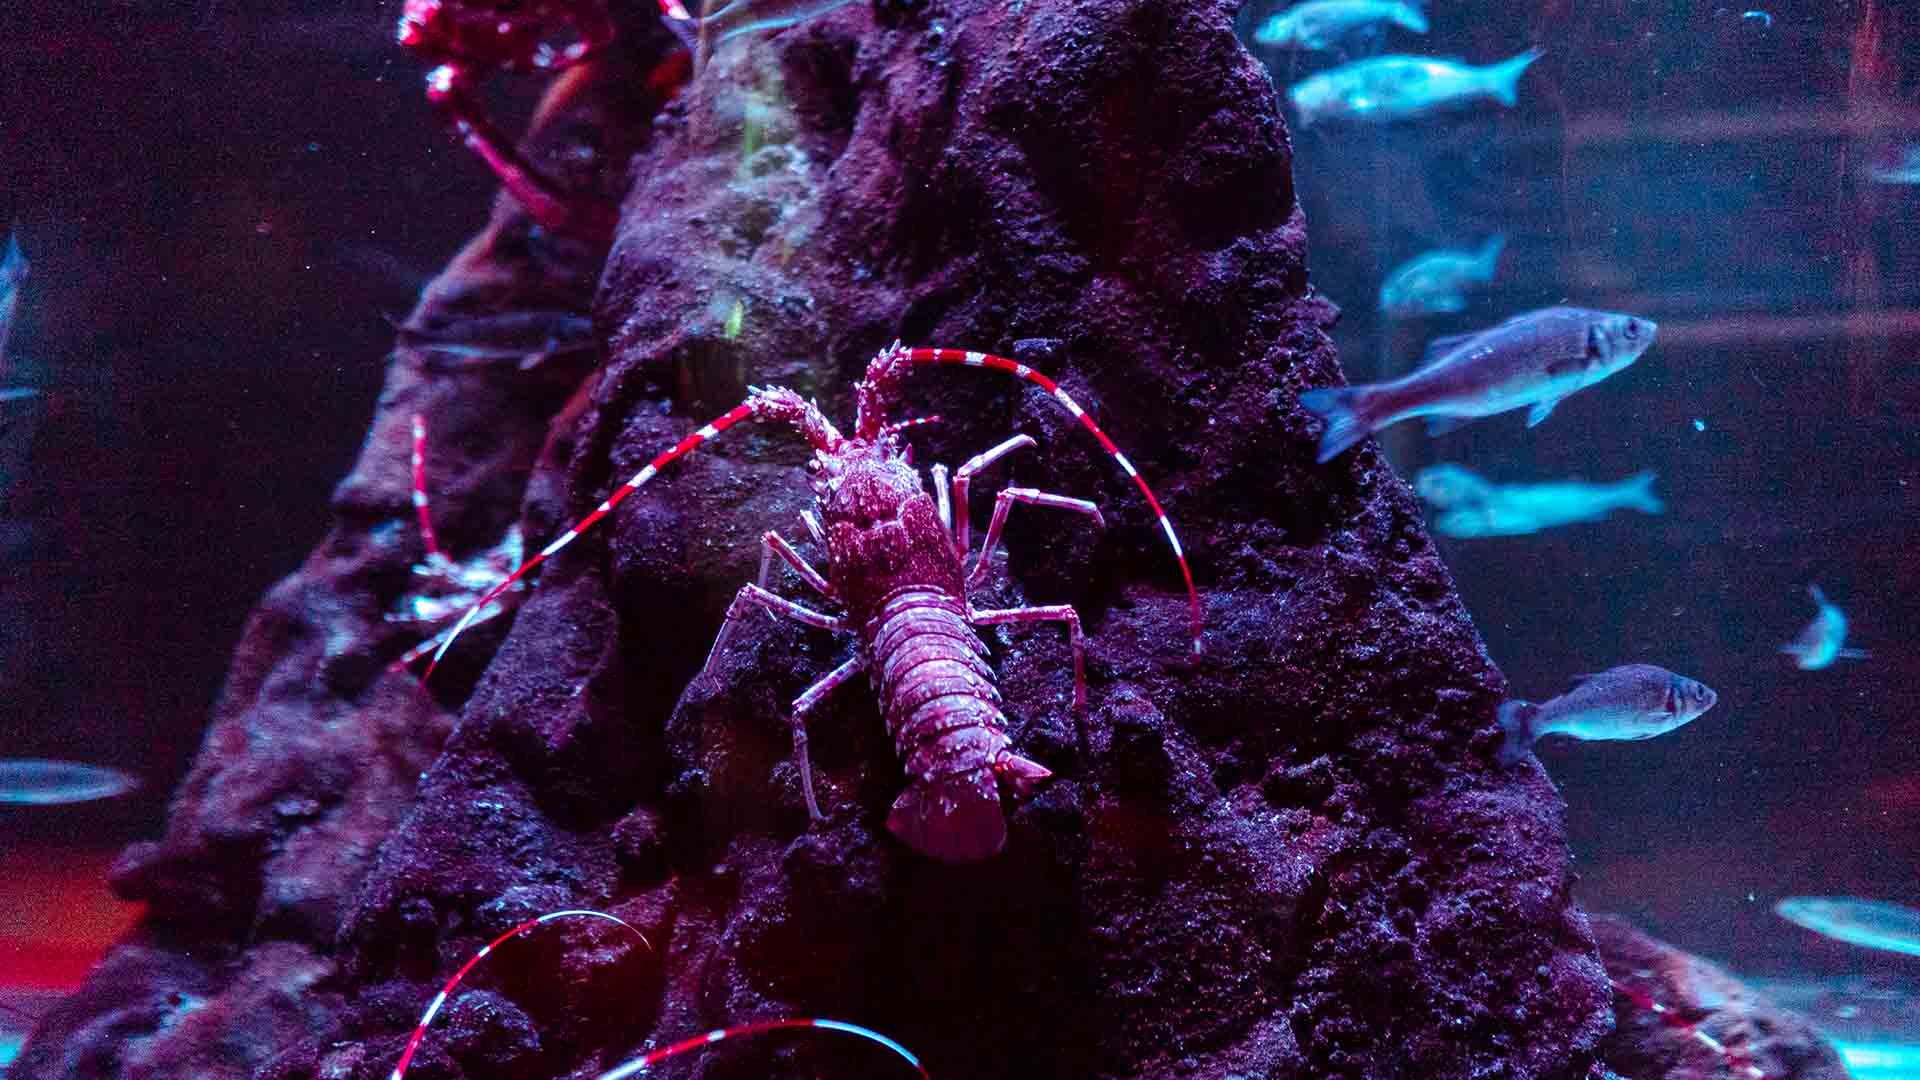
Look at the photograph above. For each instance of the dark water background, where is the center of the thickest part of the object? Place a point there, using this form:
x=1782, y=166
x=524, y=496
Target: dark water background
x=221, y=200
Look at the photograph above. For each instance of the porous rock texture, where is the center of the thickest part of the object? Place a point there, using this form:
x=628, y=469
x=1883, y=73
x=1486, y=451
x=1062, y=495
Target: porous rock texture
x=1290, y=856
x=1697, y=994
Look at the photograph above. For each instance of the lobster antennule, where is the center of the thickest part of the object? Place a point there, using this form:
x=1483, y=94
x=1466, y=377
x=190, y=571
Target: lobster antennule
x=961, y=358
x=440, y=999
x=641, y=1064
x=742, y=411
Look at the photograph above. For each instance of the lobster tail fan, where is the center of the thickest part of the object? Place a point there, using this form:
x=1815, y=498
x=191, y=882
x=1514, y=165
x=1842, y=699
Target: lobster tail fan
x=954, y=818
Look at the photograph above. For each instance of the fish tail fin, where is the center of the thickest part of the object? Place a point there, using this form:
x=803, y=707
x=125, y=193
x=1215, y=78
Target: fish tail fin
x=1489, y=257
x=1640, y=494
x=1344, y=408
x=1819, y=595
x=1516, y=727
x=1503, y=79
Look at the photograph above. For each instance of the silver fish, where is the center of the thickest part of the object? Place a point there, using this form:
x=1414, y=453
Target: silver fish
x=1321, y=24
x=1436, y=282
x=1447, y=485
x=1519, y=509
x=13, y=271
x=40, y=782
x=1635, y=701
x=526, y=337
x=1873, y=924
x=1397, y=87
x=1533, y=360
x=1905, y=171
x=1823, y=640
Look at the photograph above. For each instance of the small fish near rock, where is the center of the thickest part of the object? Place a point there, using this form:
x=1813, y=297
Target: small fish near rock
x=1437, y=282
x=1824, y=639
x=1634, y=701
x=1520, y=509
x=1870, y=924
x=1403, y=87
x=43, y=782
x=1324, y=24
x=1532, y=360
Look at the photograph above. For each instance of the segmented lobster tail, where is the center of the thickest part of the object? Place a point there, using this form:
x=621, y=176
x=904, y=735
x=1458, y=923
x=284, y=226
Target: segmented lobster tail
x=938, y=698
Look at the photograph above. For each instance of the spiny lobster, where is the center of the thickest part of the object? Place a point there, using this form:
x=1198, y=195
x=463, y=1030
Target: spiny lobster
x=467, y=40
x=897, y=564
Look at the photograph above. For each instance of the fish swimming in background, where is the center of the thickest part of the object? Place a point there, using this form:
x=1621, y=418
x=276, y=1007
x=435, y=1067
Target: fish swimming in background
x=1519, y=509
x=1635, y=701
x=1872, y=924
x=525, y=337
x=1445, y=485
x=1902, y=172
x=1322, y=24
x=40, y=782
x=13, y=271
x=1398, y=87
x=1821, y=643
x=1436, y=282
x=1535, y=360
x=701, y=33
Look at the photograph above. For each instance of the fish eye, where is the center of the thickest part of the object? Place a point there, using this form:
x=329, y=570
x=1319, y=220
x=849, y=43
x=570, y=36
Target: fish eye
x=1633, y=329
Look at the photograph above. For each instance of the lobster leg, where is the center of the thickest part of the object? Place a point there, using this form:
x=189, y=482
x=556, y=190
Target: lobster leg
x=964, y=474
x=450, y=92
x=801, y=705
x=1009, y=496
x=753, y=596
x=1048, y=613
x=772, y=543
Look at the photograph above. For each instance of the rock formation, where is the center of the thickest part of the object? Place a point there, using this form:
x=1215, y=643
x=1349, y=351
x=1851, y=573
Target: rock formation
x=1290, y=856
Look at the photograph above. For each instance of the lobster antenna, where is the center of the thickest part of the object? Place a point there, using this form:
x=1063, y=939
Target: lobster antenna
x=1000, y=363
x=770, y=403
x=440, y=999
x=641, y=1064
x=427, y=535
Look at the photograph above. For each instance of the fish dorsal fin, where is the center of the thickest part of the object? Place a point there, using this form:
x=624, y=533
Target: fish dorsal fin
x=1577, y=681
x=1540, y=411
x=1441, y=346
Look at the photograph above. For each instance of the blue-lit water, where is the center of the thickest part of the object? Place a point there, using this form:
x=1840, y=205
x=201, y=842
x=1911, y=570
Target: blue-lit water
x=1735, y=174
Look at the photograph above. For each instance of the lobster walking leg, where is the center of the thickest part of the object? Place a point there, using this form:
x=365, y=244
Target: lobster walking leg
x=1005, y=501
x=753, y=596
x=801, y=706
x=776, y=544
x=964, y=474
x=450, y=92
x=1047, y=613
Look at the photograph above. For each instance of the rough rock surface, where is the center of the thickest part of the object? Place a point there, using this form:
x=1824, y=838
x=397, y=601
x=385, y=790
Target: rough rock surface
x=1288, y=857
x=1696, y=994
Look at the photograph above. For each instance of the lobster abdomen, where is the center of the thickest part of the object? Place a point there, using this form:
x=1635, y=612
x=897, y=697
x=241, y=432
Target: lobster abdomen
x=937, y=695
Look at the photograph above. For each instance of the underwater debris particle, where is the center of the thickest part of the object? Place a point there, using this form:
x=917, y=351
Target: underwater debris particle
x=1757, y=19
x=1699, y=424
